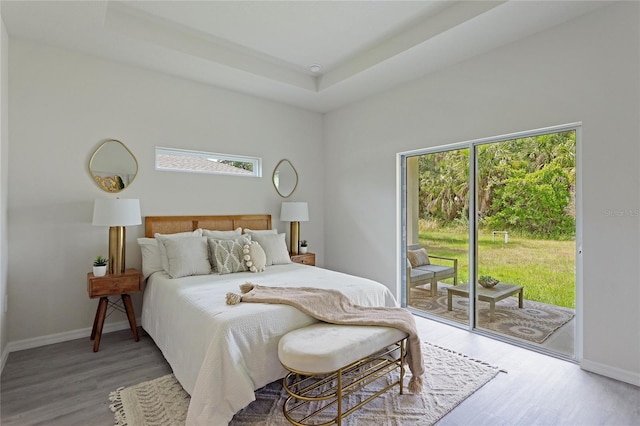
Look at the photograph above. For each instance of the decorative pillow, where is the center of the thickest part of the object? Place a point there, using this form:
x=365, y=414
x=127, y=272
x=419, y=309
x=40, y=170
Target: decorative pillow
x=162, y=249
x=254, y=257
x=222, y=235
x=274, y=247
x=187, y=256
x=228, y=255
x=151, y=261
x=242, y=239
x=418, y=257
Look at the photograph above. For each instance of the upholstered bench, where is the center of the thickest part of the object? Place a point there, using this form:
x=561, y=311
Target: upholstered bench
x=328, y=362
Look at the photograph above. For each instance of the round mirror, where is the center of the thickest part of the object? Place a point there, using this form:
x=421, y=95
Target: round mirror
x=285, y=178
x=113, y=166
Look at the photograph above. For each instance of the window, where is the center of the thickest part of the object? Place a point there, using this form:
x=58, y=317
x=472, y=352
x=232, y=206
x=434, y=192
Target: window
x=182, y=160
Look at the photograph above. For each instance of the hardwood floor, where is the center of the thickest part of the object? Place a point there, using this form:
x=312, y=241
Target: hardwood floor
x=536, y=390
x=68, y=384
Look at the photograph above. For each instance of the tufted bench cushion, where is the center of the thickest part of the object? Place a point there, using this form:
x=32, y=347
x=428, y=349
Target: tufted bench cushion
x=324, y=348
x=328, y=362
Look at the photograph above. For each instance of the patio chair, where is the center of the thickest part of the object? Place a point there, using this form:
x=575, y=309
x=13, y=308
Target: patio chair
x=421, y=270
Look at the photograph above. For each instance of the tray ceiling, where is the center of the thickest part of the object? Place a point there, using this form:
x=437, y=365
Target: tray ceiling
x=266, y=48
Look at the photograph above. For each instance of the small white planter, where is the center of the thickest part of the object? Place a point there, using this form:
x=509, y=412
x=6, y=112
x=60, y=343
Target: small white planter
x=303, y=250
x=99, y=271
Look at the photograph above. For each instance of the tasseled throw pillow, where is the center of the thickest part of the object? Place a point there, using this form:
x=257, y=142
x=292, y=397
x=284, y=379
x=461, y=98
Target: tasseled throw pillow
x=254, y=257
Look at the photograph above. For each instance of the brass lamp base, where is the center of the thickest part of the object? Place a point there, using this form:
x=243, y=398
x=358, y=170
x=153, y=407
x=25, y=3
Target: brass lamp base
x=117, y=238
x=294, y=237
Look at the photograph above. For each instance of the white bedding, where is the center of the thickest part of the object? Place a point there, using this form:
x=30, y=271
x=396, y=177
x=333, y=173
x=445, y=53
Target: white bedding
x=221, y=353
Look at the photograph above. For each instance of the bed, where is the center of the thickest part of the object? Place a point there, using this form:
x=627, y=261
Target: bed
x=219, y=353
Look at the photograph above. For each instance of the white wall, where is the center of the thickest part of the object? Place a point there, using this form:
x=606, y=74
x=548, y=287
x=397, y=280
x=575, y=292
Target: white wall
x=63, y=105
x=585, y=70
x=4, y=174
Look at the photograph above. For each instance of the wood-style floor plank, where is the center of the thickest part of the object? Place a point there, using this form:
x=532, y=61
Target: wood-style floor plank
x=68, y=384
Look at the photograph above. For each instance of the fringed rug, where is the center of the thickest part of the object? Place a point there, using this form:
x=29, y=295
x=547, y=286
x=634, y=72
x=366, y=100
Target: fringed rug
x=449, y=379
x=535, y=322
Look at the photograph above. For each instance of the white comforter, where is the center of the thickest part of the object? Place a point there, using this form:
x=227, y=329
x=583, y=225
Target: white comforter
x=221, y=353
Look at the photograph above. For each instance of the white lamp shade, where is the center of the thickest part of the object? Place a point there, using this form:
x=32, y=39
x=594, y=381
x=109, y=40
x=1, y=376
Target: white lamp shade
x=116, y=212
x=294, y=212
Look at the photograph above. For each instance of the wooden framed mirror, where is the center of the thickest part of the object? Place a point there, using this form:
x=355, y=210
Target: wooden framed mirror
x=285, y=178
x=112, y=166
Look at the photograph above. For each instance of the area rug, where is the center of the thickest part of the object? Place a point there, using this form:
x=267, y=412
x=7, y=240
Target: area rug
x=450, y=378
x=535, y=322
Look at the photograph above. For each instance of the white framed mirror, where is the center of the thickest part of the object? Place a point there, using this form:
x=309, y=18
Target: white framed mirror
x=285, y=178
x=112, y=166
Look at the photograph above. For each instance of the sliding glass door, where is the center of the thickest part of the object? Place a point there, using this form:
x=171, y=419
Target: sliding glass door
x=501, y=214
x=438, y=230
x=526, y=239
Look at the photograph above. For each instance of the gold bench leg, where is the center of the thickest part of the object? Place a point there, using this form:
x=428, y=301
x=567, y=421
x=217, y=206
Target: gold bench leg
x=306, y=388
x=339, y=397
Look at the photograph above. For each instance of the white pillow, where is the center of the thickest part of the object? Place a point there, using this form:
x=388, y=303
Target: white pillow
x=260, y=231
x=274, y=247
x=254, y=257
x=187, y=256
x=150, y=256
x=162, y=249
x=222, y=235
x=228, y=255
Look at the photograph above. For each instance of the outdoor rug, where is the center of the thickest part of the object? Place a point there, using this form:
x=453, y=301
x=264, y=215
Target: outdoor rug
x=535, y=322
x=449, y=379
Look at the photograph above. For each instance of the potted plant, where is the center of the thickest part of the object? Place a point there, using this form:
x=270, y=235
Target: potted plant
x=100, y=266
x=303, y=246
x=487, y=281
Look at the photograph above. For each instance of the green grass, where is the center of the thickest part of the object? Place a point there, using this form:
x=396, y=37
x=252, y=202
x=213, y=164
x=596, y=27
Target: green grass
x=545, y=268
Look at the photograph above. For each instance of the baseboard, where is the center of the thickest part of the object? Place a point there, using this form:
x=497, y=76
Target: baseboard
x=612, y=372
x=50, y=339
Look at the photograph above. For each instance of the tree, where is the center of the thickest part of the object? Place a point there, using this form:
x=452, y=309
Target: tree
x=535, y=203
x=444, y=185
x=444, y=176
x=244, y=165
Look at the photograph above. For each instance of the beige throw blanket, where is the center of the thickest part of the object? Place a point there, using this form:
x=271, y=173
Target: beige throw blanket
x=334, y=307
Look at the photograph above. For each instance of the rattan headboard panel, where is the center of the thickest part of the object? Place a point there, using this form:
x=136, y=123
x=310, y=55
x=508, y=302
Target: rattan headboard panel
x=173, y=224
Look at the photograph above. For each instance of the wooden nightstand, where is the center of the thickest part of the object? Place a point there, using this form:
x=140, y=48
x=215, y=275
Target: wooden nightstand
x=113, y=285
x=305, y=259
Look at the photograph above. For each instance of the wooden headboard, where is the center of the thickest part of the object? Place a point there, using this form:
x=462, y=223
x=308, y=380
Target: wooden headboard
x=173, y=224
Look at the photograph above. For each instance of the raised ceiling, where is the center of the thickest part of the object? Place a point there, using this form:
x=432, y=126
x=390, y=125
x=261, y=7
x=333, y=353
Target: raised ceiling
x=265, y=48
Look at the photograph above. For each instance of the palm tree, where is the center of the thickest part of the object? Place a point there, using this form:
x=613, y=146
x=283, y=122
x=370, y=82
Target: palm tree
x=444, y=186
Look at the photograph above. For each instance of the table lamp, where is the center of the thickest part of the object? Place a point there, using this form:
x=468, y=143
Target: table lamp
x=116, y=214
x=294, y=212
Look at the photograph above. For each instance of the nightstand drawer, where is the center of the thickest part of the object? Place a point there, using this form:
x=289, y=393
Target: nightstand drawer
x=305, y=259
x=110, y=285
